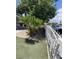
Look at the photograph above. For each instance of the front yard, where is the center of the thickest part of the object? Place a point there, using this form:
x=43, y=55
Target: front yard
x=31, y=51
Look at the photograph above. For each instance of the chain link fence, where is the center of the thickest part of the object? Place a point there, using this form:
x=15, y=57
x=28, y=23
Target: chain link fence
x=54, y=43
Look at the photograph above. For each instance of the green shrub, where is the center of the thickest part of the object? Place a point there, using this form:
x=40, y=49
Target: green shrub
x=32, y=22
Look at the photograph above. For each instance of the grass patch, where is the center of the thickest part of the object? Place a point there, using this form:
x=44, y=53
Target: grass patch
x=31, y=51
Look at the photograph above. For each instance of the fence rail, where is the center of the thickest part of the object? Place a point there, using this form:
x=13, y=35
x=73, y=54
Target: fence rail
x=54, y=43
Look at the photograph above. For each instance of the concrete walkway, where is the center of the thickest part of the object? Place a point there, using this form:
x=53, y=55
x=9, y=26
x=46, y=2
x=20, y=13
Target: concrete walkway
x=22, y=33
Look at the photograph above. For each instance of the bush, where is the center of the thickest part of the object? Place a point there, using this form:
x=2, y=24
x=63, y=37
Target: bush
x=33, y=23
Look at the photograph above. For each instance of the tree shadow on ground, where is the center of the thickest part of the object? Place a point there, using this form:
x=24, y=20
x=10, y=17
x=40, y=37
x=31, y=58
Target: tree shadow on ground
x=31, y=41
x=36, y=36
x=39, y=34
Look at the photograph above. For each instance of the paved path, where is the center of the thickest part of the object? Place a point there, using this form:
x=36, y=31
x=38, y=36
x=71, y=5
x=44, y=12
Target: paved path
x=22, y=33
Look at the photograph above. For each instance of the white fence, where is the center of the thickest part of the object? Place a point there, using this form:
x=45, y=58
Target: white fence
x=54, y=43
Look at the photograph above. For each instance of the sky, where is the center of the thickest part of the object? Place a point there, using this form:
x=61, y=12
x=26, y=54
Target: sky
x=59, y=4
x=17, y=1
x=58, y=17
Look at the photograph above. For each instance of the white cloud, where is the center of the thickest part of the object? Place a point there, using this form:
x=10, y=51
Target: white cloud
x=58, y=17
